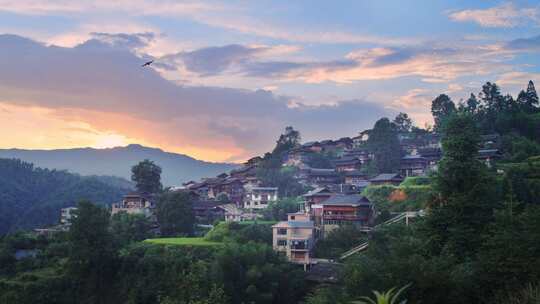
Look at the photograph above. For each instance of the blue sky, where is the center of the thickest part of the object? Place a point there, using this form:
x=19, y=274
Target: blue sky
x=230, y=75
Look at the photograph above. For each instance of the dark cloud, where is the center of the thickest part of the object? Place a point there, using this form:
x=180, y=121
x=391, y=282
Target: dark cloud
x=213, y=60
x=525, y=44
x=100, y=77
x=270, y=69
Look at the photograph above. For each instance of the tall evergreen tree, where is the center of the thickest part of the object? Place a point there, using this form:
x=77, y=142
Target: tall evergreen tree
x=528, y=100
x=441, y=108
x=384, y=144
x=472, y=104
x=147, y=176
x=465, y=190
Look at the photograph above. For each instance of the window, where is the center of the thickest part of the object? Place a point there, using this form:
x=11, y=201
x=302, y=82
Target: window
x=282, y=242
x=293, y=217
x=282, y=231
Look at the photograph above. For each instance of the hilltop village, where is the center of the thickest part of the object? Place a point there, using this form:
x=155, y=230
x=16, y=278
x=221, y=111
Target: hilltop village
x=446, y=214
x=325, y=179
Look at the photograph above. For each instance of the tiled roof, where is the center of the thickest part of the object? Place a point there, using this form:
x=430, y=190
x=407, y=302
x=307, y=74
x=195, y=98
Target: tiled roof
x=354, y=173
x=347, y=199
x=386, y=177
x=318, y=191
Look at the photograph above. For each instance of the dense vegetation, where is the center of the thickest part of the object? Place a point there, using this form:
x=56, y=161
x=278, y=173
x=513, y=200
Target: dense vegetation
x=478, y=243
x=89, y=264
x=32, y=197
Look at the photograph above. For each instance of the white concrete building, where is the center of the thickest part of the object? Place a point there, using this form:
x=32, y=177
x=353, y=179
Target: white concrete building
x=260, y=197
x=66, y=214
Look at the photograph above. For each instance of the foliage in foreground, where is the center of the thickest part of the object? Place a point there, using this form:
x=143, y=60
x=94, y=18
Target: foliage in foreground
x=389, y=297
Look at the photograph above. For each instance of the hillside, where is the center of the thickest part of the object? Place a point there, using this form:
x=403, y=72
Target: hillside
x=31, y=197
x=177, y=168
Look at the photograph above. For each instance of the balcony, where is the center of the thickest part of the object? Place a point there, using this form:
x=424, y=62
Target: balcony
x=299, y=245
x=342, y=217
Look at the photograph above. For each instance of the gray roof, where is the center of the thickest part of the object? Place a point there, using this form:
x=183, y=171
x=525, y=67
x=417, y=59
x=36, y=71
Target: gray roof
x=347, y=199
x=417, y=156
x=318, y=191
x=386, y=177
x=264, y=189
x=316, y=171
x=354, y=173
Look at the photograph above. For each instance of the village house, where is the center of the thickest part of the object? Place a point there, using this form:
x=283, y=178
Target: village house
x=260, y=197
x=321, y=177
x=234, y=189
x=489, y=156
x=234, y=214
x=347, y=163
x=386, y=179
x=362, y=154
x=413, y=165
x=244, y=172
x=316, y=196
x=297, y=156
x=360, y=140
x=432, y=157
x=207, y=211
x=355, y=177
x=312, y=146
x=343, y=209
x=344, y=188
x=135, y=203
x=67, y=214
x=295, y=238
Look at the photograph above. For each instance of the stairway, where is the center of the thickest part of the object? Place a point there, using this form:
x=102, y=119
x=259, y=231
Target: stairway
x=399, y=217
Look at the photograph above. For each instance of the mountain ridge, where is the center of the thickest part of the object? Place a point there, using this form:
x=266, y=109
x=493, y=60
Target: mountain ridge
x=117, y=161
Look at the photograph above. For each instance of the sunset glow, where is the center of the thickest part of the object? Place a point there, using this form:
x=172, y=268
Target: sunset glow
x=221, y=88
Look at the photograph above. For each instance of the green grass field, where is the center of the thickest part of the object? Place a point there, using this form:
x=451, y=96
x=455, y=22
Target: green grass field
x=183, y=241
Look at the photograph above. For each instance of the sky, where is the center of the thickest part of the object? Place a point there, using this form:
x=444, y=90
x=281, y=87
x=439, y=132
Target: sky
x=229, y=76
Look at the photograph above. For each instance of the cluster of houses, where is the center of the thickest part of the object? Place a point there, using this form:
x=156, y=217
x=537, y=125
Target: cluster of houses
x=334, y=201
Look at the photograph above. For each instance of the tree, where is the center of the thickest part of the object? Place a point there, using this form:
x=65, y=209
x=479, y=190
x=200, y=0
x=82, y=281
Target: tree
x=472, y=104
x=128, y=228
x=441, y=108
x=389, y=297
x=174, y=213
x=532, y=97
x=465, y=193
x=509, y=254
x=288, y=140
x=254, y=273
x=92, y=254
x=403, y=122
x=277, y=211
x=147, y=177
x=283, y=178
x=384, y=144
x=528, y=100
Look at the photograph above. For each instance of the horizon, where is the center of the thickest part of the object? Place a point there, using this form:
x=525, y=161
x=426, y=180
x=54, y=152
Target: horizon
x=227, y=77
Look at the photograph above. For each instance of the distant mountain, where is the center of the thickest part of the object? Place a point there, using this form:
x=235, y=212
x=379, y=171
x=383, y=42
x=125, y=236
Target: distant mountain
x=32, y=197
x=177, y=168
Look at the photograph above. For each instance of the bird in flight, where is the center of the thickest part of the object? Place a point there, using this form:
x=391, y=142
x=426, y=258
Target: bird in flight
x=147, y=63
